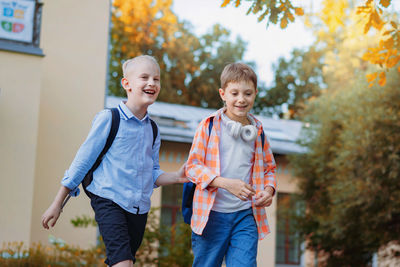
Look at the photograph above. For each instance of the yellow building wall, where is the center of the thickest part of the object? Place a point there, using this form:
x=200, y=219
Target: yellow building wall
x=46, y=108
x=20, y=85
x=74, y=40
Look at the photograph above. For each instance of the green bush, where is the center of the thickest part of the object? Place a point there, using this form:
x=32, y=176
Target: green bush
x=17, y=254
x=161, y=246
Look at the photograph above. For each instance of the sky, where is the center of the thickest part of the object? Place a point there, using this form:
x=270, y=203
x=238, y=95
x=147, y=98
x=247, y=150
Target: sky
x=264, y=45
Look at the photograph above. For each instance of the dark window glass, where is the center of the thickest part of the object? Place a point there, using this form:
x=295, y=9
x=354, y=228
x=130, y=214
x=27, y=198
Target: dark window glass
x=287, y=240
x=171, y=204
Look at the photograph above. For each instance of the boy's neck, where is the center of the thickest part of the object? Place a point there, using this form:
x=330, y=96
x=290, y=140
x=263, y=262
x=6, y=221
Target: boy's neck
x=243, y=120
x=138, y=111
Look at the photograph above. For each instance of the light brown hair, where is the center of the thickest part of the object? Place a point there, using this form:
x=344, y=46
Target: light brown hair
x=237, y=72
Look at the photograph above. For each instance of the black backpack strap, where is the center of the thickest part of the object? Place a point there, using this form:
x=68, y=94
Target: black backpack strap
x=155, y=130
x=210, y=125
x=110, y=139
x=262, y=138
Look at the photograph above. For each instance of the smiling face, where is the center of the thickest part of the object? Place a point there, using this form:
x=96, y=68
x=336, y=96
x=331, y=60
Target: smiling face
x=142, y=82
x=239, y=99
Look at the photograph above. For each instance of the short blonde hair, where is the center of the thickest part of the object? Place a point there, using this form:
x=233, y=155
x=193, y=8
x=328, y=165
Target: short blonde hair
x=237, y=72
x=133, y=61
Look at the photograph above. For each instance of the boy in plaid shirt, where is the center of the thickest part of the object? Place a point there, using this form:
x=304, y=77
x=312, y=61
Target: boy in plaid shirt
x=234, y=173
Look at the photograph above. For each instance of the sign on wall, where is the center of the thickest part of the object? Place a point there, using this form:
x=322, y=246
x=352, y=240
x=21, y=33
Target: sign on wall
x=16, y=20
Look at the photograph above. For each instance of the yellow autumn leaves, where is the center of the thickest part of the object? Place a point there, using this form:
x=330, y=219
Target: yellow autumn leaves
x=385, y=55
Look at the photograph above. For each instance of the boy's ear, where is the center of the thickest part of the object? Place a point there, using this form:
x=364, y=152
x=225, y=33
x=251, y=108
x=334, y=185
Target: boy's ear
x=125, y=84
x=221, y=93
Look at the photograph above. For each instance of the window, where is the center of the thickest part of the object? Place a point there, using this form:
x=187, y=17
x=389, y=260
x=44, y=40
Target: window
x=287, y=240
x=20, y=22
x=171, y=204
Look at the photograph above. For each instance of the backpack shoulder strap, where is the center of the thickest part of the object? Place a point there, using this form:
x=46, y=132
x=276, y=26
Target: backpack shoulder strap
x=110, y=139
x=210, y=125
x=262, y=138
x=155, y=130
x=113, y=130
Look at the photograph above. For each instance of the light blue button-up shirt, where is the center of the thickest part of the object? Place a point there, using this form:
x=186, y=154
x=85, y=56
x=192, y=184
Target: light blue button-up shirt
x=129, y=170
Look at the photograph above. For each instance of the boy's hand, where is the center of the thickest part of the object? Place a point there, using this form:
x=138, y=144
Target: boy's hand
x=52, y=213
x=240, y=189
x=264, y=198
x=181, y=176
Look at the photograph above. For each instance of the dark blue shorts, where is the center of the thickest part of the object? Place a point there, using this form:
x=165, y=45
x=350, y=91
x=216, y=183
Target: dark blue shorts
x=122, y=231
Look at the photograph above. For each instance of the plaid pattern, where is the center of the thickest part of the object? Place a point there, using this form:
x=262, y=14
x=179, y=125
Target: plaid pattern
x=203, y=166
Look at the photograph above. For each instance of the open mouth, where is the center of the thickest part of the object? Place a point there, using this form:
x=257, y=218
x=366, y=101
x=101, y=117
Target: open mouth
x=149, y=91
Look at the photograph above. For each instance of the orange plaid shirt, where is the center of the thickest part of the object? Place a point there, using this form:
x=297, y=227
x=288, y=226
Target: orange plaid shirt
x=203, y=166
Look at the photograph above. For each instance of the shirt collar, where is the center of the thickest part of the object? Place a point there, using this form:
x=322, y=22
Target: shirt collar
x=126, y=113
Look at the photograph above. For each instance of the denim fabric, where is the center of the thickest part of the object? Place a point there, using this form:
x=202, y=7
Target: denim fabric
x=231, y=235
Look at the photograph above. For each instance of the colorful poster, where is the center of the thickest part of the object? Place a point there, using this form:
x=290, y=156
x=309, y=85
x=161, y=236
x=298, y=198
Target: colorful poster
x=16, y=20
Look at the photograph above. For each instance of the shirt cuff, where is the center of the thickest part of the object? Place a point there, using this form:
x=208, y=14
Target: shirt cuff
x=273, y=187
x=156, y=174
x=70, y=184
x=207, y=182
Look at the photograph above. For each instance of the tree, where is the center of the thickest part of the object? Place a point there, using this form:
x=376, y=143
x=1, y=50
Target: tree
x=384, y=26
x=217, y=51
x=333, y=61
x=139, y=27
x=190, y=65
x=349, y=179
x=297, y=80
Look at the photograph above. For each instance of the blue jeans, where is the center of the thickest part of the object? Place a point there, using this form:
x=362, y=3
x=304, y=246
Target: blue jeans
x=230, y=235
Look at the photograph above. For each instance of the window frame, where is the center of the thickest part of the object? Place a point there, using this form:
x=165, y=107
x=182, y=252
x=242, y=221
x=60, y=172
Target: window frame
x=287, y=235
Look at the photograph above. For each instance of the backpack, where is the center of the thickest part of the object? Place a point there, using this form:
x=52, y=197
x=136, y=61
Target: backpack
x=189, y=187
x=110, y=139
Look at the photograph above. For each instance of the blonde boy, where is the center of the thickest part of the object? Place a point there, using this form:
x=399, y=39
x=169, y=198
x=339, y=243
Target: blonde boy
x=123, y=183
x=234, y=176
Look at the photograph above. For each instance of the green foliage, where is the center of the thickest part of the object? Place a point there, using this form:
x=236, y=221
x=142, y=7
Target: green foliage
x=83, y=221
x=216, y=52
x=57, y=255
x=162, y=246
x=350, y=178
x=275, y=11
x=190, y=65
x=175, y=246
x=297, y=80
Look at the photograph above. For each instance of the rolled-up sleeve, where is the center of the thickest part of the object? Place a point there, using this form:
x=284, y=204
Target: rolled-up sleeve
x=89, y=150
x=269, y=166
x=196, y=169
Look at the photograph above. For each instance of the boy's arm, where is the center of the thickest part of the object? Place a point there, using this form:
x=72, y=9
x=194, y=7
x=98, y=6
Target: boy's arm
x=264, y=198
x=89, y=150
x=83, y=161
x=269, y=168
x=167, y=178
x=237, y=187
x=53, y=212
x=196, y=170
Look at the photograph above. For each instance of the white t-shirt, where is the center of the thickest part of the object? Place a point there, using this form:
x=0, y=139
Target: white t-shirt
x=236, y=159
